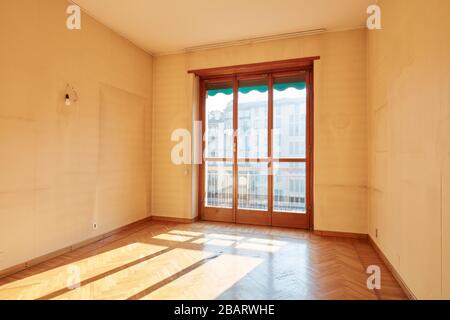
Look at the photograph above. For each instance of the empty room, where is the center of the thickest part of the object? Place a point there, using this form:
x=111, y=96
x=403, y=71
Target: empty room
x=232, y=151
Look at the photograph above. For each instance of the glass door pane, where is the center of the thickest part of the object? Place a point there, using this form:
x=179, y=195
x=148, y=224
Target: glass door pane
x=218, y=177
x=252, y=136
x=219, y=121
x=289, y=118
x=253, y=186
x=253, y=119
x=289, y=187
x=219, y=184
x=289, y=144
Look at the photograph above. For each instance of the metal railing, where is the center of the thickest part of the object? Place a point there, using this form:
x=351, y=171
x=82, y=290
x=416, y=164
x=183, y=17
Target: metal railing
x=253, y=187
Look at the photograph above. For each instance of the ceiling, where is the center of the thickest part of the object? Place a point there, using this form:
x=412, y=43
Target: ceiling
x=163, y=26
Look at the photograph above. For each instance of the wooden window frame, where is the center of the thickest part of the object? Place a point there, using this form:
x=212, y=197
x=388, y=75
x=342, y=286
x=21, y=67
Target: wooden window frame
x=249, y=71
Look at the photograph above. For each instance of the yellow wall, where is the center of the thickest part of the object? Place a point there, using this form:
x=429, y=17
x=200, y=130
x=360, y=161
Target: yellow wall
x=340, y=123
x=409, y=152
x=382, y=165
x=62, y=169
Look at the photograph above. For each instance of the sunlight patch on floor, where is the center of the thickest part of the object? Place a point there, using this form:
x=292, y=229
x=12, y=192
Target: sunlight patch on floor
x=215, y=242
x=172, y=237
x=208, y=281
x=224, y=236
x=258, y=247
x=186, y=233
x=47, y=282
x=131, y=281
x=200, y=241
x=270, y=242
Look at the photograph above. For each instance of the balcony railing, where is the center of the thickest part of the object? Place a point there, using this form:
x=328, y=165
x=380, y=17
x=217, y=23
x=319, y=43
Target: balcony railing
x=253, y=188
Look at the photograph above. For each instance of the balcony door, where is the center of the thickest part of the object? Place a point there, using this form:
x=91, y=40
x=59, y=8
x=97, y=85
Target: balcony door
x=257, y=166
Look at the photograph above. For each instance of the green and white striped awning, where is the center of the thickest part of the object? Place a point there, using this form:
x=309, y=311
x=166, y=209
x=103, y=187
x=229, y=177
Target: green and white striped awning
x=262, y=88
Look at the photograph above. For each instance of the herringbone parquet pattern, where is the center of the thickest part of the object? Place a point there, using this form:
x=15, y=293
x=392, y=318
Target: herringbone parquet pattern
x=157, y=260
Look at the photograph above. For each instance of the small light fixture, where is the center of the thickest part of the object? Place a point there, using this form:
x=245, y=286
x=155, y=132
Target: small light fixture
x=68, y=103
x=71, y=96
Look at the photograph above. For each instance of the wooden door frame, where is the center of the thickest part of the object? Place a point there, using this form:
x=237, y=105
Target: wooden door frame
x=265, y=68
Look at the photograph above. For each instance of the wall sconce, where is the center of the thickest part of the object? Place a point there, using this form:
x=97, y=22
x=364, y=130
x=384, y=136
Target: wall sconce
x=71, y=96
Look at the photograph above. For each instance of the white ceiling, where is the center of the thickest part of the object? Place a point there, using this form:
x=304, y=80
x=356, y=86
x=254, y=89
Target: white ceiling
x=162, y=26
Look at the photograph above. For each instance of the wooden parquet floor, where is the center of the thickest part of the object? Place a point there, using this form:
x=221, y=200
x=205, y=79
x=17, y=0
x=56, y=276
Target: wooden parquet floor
x=158, y=260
